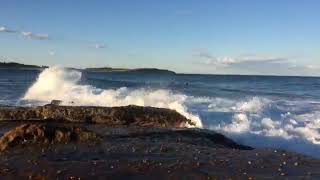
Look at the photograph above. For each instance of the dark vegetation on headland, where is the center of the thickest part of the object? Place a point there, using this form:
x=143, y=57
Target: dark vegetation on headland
x=131, y=142
x=14, y=65
x=139, y=70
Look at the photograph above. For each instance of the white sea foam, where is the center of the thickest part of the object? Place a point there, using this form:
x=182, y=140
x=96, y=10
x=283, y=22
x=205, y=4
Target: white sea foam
x=251, y=124
x=249, y=115
x=62, y=84
x=264, y=122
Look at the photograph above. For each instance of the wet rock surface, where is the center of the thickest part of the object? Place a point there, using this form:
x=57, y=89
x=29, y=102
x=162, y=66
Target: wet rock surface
x=112, y=116
x=63, y=148
x=139, y=153
x=31, y=134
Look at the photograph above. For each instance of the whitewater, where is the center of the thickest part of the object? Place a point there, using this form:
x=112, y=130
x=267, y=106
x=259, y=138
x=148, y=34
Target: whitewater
x=57, y=83
x=269, y=112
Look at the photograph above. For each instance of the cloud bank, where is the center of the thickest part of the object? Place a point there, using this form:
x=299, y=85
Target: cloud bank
x=34, y=36
x=263, y=64
x=243, y=59
x=6, y=30
x=99, y=46
x=26, y=34
x=52, y=53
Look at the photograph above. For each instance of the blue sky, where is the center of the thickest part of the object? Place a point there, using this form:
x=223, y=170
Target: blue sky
x=280, y=37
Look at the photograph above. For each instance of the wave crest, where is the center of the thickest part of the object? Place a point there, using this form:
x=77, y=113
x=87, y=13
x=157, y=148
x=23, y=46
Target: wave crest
x=64, y=84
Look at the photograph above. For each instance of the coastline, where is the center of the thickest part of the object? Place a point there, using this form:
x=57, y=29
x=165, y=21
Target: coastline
x=144, y=143
x=19, y=66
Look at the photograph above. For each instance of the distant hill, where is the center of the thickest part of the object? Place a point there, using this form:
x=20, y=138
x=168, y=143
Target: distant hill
x=138, y=70
x=14, y=65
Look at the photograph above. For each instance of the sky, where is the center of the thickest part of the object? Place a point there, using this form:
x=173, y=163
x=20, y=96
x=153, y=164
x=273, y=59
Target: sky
x=273, y=37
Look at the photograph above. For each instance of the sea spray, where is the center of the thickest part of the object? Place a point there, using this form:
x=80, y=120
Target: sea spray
x=251, y=124
x=64, y=84
x=252, y=116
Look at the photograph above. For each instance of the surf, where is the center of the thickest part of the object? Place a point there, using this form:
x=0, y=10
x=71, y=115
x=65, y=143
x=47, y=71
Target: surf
x=64, y=84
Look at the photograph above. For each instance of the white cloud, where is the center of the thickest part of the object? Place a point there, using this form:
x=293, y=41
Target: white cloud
x=26, y=34
x=35, y=36
x=41, y=36
x=312, y=67
x=5, y=29
x=261, y=57
x=220, y=61
x=99, y=46
x=255, y=64
x=305, y=69
x=243, y=59
x=52, y=53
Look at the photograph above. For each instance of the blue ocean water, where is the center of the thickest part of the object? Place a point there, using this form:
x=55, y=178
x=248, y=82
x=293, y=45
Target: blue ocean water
x=261, y=111
x=14, y=83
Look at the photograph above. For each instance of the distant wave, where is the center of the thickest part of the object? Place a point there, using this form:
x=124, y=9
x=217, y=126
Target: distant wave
x=63, y=84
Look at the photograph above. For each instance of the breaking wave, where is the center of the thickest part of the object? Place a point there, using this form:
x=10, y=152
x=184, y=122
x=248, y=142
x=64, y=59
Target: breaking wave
x=64, y=84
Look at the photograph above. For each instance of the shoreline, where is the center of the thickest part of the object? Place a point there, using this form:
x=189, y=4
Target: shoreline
x=145, y=142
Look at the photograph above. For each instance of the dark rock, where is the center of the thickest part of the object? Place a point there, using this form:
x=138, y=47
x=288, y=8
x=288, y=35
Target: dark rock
x=146, y=153
x=111, y=116
x=56, y=102
x=27, y=134
x=187, y=136
x=132, y=145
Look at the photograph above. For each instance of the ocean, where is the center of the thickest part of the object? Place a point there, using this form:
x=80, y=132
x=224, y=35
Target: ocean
x=260, y=111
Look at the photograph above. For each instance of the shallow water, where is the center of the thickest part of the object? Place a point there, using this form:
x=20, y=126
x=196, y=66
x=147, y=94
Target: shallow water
x=261, y=111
